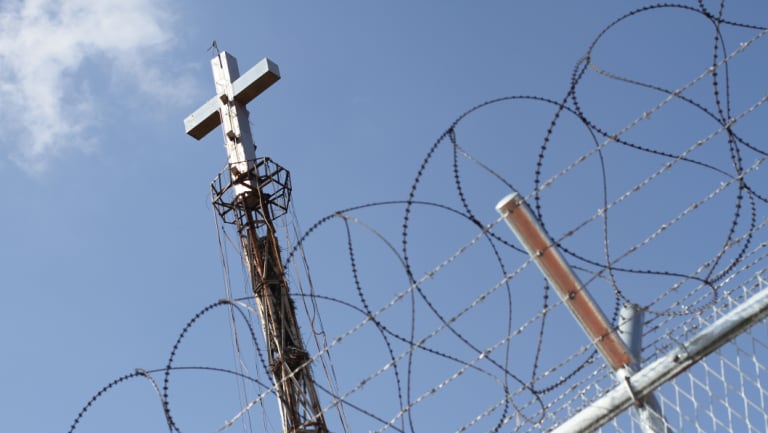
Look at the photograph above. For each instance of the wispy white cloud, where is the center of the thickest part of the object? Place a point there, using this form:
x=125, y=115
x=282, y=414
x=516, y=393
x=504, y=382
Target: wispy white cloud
x=43, y=46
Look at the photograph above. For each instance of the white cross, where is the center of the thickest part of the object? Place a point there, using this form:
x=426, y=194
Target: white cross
x=227, y=109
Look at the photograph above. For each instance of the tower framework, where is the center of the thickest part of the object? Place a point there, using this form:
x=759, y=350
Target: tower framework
x=250, y=194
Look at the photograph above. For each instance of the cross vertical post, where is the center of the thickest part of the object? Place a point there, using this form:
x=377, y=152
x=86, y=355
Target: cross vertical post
x=250, y=194
x=234, y=116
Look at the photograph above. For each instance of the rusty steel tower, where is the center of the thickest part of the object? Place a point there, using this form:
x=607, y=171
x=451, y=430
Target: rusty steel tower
x=249, y=194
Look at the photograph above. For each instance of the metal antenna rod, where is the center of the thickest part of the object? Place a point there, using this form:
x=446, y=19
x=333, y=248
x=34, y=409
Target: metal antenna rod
x=251, y=194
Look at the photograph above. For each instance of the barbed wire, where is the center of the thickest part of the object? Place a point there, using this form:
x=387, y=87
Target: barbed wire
x=526, y=365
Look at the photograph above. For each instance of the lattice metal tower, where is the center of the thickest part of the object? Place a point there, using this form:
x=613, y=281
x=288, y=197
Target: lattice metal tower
x=250, y=193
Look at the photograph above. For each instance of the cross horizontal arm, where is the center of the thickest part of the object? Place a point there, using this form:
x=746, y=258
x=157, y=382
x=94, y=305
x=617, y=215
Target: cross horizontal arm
x=248, y=86
x=203, y=120
x=256, y=80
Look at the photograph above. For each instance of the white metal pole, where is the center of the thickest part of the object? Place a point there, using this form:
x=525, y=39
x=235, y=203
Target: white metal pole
x=649, y=414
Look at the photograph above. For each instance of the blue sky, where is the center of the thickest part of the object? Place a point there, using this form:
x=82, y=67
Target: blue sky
x=109, y=242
